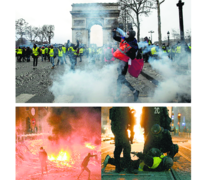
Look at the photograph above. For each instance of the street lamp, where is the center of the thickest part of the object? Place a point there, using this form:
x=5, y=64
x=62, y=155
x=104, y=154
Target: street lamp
x=151, y=34
x=168, y=36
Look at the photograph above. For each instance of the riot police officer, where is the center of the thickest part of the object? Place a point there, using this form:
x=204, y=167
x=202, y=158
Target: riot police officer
x=154, y=115
x=154, y=160
x=160, y=138
x=119, y=122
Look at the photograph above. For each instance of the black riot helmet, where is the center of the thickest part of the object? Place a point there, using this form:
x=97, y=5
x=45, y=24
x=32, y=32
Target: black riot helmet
x=156, y=129
x=154, y=152
x=132, y=33
x=167, y=162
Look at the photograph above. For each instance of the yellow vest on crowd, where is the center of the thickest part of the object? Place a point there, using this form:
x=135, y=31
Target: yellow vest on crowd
x=51, y=52
x=43, y=51
x=60, y=53
x=35, y=51
x=19, y=51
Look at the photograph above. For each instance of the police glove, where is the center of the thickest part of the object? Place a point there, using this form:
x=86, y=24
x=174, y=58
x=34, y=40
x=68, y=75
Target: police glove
x=140, y=155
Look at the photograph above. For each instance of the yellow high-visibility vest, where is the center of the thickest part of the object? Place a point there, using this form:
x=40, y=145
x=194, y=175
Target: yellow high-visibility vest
x=153, y=51
x=60, y=53
x=19, y=51
x=43, y=51
x=73, y=50
x=81, y=50
x=64, y=49
x=51, y=52
x=35, y=51
x=156, y=162
x=178, y=50
x=90, y=50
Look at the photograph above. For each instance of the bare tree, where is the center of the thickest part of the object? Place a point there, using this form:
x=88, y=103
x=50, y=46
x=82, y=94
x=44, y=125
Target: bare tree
x=158, y=3
x=135, y=9
x=48, y=31
x=42, y=35
x=124, y=18
x=30, y=33
x=20, y=26
x=36, y=31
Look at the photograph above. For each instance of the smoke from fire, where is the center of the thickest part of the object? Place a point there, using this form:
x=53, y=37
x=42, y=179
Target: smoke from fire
x=67, y=122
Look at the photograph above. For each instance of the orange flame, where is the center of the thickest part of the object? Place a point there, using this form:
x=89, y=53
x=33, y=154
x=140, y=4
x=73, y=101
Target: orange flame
x=61, y=159
x=62, y=156
x=88, y=145
x=137, y=129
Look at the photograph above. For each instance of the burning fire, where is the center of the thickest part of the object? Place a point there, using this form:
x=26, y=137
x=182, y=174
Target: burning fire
x=62, y=156
x=88, y=145
x=137, y=129
x=62, y=159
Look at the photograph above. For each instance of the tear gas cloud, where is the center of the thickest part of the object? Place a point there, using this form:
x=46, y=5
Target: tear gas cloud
x=90, y=85
x=177, y=77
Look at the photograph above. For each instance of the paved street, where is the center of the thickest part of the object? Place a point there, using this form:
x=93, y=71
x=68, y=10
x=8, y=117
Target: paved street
x=181, y=168
x=33, y=85
x=28, y=164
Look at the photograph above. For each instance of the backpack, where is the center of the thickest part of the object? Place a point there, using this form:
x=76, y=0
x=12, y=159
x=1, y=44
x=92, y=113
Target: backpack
x=108, y=54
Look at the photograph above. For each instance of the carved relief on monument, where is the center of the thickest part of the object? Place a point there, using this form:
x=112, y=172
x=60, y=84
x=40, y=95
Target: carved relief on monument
x=79, y=22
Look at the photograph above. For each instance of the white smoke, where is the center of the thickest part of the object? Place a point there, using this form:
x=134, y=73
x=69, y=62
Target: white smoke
x=91, y=84
x=177, y=77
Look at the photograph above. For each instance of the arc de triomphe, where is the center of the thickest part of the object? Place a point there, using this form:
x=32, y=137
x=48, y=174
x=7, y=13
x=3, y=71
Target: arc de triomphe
x=85, y=15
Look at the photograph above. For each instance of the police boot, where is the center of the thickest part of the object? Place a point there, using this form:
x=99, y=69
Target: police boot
x=118, y=167
x=174, y=150
x=130, y=169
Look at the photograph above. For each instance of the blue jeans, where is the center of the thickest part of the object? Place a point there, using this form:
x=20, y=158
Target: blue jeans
x=43, y=55
x=52, y=61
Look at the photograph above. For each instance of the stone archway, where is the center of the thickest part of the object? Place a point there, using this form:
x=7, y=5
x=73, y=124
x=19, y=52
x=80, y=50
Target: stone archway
x=85, y=15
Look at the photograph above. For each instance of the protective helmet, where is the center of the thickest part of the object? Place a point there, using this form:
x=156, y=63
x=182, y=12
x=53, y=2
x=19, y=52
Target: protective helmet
x=42, y=46
x=167, y=162
x=156, y=129
x=132, y=33
x=154, y=152
x=146, y=38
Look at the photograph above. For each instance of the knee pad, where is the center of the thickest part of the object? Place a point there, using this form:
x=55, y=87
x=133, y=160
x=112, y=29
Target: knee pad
x=176, y=148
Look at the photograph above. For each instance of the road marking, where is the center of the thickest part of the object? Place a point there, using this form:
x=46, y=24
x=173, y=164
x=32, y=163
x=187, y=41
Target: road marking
x=185, y=156
x=22, y=98
x=185, y=147
x=63, y=99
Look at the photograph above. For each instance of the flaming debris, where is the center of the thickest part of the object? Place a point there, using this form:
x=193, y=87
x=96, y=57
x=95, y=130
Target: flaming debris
x=139, y=137
x=88, y=145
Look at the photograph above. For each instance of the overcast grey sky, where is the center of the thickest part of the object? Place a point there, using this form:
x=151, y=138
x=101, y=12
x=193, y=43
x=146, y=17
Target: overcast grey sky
x=57, y=13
